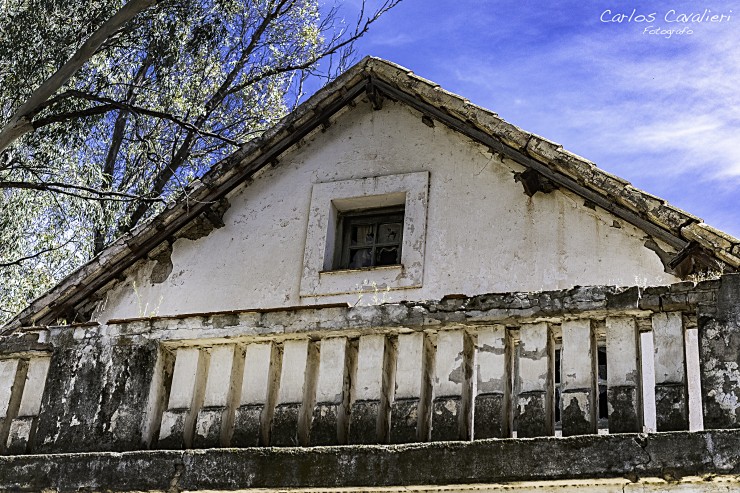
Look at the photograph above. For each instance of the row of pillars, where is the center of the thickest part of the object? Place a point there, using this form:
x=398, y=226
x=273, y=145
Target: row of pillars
x=461, y=384
x=653, y=378
x=301, y=392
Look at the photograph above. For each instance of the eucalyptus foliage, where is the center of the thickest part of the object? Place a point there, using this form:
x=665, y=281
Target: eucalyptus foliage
x=136, y=116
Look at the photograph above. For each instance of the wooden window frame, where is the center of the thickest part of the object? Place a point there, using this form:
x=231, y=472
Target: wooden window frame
x=376, y=217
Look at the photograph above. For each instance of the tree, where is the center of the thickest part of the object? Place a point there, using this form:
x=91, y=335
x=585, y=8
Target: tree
x=109, y=109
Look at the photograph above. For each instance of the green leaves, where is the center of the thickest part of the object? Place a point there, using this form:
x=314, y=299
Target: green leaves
x=175, y=90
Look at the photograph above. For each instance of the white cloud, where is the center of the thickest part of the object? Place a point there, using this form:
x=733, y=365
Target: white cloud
x=664, y=113
x=625, y=95
x=392, y=40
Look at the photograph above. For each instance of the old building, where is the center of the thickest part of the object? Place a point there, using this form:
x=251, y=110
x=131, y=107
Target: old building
x=392, y=289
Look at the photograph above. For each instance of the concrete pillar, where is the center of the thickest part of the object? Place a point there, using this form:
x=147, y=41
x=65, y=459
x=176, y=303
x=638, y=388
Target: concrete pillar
x=450, y=407
x=291, y=420
x=33, y=390
x=156, y=401
x=719, y=345
x=490, y=416
x=23, y=427
x=578, y=377
x=623, y=375
x=214, y=421
x=254, y=415
x=8, y=367
x=329, y=423
x=533, y=412
x=369, y=409
x=413, y=382
x=670, y=380
x=693, y=379
x=647, y=372
x=186, y=396
x=8, y=370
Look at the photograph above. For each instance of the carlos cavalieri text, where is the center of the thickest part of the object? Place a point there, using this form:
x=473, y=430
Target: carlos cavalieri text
x=670, y=16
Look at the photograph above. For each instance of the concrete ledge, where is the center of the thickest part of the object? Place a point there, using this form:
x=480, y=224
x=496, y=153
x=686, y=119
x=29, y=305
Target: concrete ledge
x=662, y=455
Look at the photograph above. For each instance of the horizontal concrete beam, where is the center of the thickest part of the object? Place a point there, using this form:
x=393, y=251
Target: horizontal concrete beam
x=661, y=455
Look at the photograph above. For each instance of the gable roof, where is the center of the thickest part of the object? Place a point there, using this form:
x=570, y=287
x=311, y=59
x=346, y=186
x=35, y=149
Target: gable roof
x=548, y=165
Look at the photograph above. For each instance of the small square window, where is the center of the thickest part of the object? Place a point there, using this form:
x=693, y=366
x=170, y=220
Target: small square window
x=366, y=231
x=369, y=238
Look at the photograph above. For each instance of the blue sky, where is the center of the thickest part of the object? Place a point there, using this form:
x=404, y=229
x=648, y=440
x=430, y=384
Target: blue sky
x=662, y=112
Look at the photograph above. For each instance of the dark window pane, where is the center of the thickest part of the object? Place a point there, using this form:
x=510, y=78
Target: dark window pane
x=361, y=258
x=362, y=234
x=369, y=237
x=389, y=233
x=386, y=255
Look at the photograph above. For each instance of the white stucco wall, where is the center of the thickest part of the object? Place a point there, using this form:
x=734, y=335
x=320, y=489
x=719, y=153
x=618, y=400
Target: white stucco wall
x=483, y=233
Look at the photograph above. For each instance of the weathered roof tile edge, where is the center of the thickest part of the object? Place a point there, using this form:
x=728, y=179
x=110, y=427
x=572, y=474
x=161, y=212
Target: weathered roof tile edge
x=537, y=152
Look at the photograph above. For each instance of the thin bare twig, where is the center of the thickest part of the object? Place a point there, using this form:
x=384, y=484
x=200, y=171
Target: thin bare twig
x=75, y=191
x=20, y=260
x=110, y=104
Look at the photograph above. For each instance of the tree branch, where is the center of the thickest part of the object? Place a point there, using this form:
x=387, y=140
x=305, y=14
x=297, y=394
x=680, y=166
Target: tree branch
x=75, y=191
x=20, y=123
x=183, y=152
x=19, y=261
x=119, y=127
x=72, y=115
x=361, y=29
x=113, y=104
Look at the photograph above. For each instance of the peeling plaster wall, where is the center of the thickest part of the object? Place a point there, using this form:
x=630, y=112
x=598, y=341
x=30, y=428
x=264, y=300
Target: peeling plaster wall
x=483, y=233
